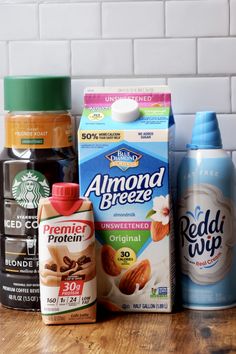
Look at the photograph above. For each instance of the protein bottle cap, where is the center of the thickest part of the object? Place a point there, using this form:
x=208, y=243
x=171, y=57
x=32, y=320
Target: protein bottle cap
x=125, y=110
x=206, y=132
x=65, y=191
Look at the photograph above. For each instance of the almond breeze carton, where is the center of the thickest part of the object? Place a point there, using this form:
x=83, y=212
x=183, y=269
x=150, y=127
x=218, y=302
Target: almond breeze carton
x=125, y=143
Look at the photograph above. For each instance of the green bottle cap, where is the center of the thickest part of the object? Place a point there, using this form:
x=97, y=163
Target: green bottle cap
x=37, y=93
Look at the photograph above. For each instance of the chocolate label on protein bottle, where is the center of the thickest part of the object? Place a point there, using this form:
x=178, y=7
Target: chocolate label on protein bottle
x=28, y=187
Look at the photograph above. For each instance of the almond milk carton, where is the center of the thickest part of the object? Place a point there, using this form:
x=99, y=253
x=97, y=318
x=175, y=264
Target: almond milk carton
x=68, y=287
x=125, y=142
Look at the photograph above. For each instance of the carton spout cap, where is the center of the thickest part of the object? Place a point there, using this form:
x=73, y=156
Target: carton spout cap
x=65, y=191
x=125, y=110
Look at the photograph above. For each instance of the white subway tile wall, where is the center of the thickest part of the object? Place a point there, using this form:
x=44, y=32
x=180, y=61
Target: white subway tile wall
x=1, y=108
x=101, y=57
x=78, y=87
x=194, y=94
x=197, y=18
x=69, y=21
x=233, y=96
x=164, y=56
x=233, y=17
x=135, y=82
x=18, y=21
x=216, y=55
x=188, y=44
x=39, y=57
x=3, y=58
x=127, y=19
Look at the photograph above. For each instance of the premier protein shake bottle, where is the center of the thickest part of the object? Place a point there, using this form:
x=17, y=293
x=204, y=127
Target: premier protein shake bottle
x=68, y=286
x=206, y=218
x=38, y=152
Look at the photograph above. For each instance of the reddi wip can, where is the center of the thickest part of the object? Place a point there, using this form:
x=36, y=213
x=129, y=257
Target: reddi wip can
x=206, y=220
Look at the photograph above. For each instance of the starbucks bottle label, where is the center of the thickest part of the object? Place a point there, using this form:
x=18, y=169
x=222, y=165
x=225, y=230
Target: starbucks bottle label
x=28, y=187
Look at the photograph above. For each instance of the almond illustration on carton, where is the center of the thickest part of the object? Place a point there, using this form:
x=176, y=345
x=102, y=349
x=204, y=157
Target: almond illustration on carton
x=139, y=274
x=108, y=261
x=160, y=214
x=159, y=231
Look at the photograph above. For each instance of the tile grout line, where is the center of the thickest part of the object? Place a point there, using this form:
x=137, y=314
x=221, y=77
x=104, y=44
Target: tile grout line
x=101, y=19
x=133, y=57
x=38, y=21
x=70, y=58
x=197, y=55
x=8, y=57
x=164, y=19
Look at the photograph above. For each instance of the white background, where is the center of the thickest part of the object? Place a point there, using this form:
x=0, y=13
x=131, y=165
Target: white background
x=190, y=45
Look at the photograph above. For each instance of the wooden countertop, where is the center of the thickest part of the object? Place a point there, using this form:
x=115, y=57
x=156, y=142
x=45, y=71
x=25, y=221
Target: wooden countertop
x=195, y=332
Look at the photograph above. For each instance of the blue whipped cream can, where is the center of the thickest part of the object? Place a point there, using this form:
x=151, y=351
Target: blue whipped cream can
x=206, y=217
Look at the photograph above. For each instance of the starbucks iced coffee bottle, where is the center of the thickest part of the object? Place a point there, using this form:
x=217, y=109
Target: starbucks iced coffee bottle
x=206, y=220
x=38, y=152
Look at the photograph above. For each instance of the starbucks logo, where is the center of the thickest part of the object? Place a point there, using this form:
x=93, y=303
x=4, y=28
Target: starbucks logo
x=28, y=187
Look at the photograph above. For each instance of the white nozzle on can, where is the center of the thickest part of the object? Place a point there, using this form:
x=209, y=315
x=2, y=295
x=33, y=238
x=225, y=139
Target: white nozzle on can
x=125, y=110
